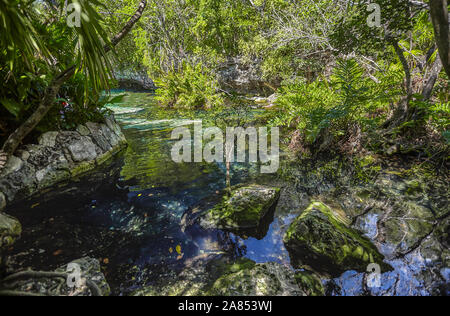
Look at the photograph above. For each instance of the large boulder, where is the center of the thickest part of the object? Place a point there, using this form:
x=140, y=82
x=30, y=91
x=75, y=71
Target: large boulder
x=244, y=77
x=246, y=209
x=82, y=149
x=322, y=240
x=136, y=85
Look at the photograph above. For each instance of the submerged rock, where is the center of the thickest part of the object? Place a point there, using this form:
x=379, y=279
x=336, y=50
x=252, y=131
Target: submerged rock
x=220, y=277
x=267, y=279
x=81, y=277
x=321, y=239
x=244, y=210
x=310, y=283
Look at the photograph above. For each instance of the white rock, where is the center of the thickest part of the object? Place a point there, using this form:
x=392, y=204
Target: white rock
x=48, y=139
x=83, y=150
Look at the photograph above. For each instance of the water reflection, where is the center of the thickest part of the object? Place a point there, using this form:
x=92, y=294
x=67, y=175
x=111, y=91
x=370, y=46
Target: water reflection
x=133, y=226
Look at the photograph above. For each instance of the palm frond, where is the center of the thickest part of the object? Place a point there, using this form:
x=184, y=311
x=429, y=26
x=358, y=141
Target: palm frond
x=18, y=37
x=90, y=41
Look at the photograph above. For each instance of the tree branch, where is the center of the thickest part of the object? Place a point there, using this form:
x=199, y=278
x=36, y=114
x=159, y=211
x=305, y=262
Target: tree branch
x=127, y=28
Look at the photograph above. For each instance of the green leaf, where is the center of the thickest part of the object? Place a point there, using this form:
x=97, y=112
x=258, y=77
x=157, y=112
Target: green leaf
x=13, y=107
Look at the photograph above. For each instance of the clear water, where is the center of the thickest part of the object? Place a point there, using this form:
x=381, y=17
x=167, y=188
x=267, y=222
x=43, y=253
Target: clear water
x=132, y=223
x=135, y=230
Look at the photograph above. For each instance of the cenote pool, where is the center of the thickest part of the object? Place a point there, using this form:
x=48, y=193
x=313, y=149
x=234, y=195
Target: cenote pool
x=132, y=222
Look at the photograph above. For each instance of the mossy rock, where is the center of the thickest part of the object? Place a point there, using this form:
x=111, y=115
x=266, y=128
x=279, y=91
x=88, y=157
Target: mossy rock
x=268, y=279
x=10, y=230
x=414, y=187
x=321, y=240
x=197, y=281
x=225, y=277
x=246, y=211
x=310, y=283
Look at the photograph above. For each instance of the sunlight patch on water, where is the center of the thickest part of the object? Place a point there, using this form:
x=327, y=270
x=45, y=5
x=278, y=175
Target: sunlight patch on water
x=120, y=110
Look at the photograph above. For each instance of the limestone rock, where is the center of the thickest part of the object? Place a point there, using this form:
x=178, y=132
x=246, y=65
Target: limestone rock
x=268, y=279
x=48, y=139
x=244, y=210
x=13, y=164
x=321, y=239
x=83, y=130
x=98, y=136
x=10, y=230
x=82, y=150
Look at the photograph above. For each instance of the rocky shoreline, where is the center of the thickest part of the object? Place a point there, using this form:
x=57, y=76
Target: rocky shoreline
x=59, y=157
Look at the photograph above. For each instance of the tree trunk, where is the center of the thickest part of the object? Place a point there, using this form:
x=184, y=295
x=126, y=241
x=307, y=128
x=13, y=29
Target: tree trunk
x=228, y=177
x=440, y=18
x=127, y=28
x=401, y=56
x=402, y=111
x=16, y=138
x=432, y=78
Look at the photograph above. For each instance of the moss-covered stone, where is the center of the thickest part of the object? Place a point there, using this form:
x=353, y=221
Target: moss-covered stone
x=83, y=168
x=243, y=210
x=320, y=239
x=10, y=231
x=268, y=279
x=222, y=277
x=310, y=283
x=414, y=187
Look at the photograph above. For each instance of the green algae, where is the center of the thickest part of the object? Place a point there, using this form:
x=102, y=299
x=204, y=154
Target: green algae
x=245, y=208
x=321, y=239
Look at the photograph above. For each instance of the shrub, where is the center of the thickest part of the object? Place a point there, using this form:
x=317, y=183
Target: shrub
x=193, y=87
x=312, y=108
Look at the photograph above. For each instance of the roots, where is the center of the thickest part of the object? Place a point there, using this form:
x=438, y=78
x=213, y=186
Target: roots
x=11, y=282
x=3, y=159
